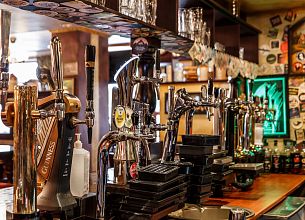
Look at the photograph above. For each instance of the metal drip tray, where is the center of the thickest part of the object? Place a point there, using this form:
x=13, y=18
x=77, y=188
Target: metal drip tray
x=247, y=166
x=292, y=208
x=193, y=212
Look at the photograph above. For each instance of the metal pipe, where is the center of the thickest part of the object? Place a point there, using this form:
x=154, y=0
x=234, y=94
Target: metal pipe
x=25, y=101
x=107, y=141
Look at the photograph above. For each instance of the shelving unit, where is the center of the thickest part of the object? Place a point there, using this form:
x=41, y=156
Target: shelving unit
x=109, y=19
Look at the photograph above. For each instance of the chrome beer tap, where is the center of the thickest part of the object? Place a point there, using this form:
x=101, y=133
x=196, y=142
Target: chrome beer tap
x=138, y=89
x=178, y=104
x=57, y=73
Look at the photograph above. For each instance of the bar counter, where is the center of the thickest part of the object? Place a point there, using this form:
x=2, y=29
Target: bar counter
x=267, y=191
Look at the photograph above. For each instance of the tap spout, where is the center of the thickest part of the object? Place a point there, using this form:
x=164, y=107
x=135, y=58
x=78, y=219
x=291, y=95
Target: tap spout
x=107, y=141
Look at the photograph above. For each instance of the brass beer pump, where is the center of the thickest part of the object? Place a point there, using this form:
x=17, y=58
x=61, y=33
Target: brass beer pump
x=23, y=113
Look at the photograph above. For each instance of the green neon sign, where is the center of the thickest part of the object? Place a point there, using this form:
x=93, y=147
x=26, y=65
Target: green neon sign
x=276, y=124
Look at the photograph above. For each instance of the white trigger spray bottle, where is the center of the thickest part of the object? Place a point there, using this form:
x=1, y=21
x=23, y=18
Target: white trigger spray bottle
x=79, y=179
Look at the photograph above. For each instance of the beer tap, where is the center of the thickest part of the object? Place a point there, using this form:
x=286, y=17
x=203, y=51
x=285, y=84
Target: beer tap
x=133, y=119
x=90, y=62
x=179, y=104
x=18, y=115
x=89, y=118
x=57, y=73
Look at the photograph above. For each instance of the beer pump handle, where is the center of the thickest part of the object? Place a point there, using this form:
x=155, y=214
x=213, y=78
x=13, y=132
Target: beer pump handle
x=204, y=92
x=210, y=88
x=5, y=19
x=57, y=74
x=90, y=62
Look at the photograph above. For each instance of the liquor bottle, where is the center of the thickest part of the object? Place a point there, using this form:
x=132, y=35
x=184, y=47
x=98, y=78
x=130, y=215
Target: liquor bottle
x=303, y=162
x=267, y=158
x=275, y=167
x=296, y=162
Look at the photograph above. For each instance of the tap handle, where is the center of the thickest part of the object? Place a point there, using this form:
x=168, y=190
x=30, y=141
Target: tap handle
x=216, y=92
x=148, y=117
x=89, y=65
x=90, y=62
x=158, y=68
x=250, y=96
x=5, y=17
x=204, y=92
x=135, y=118
x=57, y=73
x=171, y=101
x=57, y=67
x=210, y=87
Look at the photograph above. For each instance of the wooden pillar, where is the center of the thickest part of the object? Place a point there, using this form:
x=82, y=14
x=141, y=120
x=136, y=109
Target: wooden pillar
x=73, y=51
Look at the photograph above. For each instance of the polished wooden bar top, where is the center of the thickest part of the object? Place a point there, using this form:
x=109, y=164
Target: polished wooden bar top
x=267, y=191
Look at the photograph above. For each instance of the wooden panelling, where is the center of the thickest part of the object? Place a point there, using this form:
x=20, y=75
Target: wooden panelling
x=250, y=43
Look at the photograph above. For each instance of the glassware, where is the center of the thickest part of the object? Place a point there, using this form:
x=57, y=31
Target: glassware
x=235, y=7
x=102, y=2
x=190, y=24
x=151, y=11
x=124, y=7
x=145, y=10
x=182, y=22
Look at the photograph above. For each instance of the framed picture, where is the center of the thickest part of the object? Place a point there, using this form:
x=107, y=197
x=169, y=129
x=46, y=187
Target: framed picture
x=196, y=96
x=296, y=50
x=275, y=88
x=69, y=85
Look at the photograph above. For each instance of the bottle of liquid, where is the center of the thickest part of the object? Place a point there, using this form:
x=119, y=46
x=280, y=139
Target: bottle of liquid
x=79, y=180
x=288, y=161
x=275, y=159
x=296, y=161
x=303, y=162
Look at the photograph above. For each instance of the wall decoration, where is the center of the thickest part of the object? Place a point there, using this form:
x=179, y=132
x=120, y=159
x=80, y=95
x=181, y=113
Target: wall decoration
x=274, y=44
x=290, y=16
x=297, y=48
x=276, y=21
x=271, y=59
x=273, y=32
x=296, y=90
x=275, y=88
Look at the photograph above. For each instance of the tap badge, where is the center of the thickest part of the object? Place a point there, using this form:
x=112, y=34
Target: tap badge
x=128, y=121
x=139, y=46
x=119, y=116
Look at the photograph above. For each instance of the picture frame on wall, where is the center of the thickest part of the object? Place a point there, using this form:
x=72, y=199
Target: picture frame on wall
x=275, y=88
x=296, y=49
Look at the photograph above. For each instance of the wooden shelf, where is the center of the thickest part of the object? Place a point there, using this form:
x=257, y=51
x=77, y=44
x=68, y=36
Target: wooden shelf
x=109, y=19
x=192, y=82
